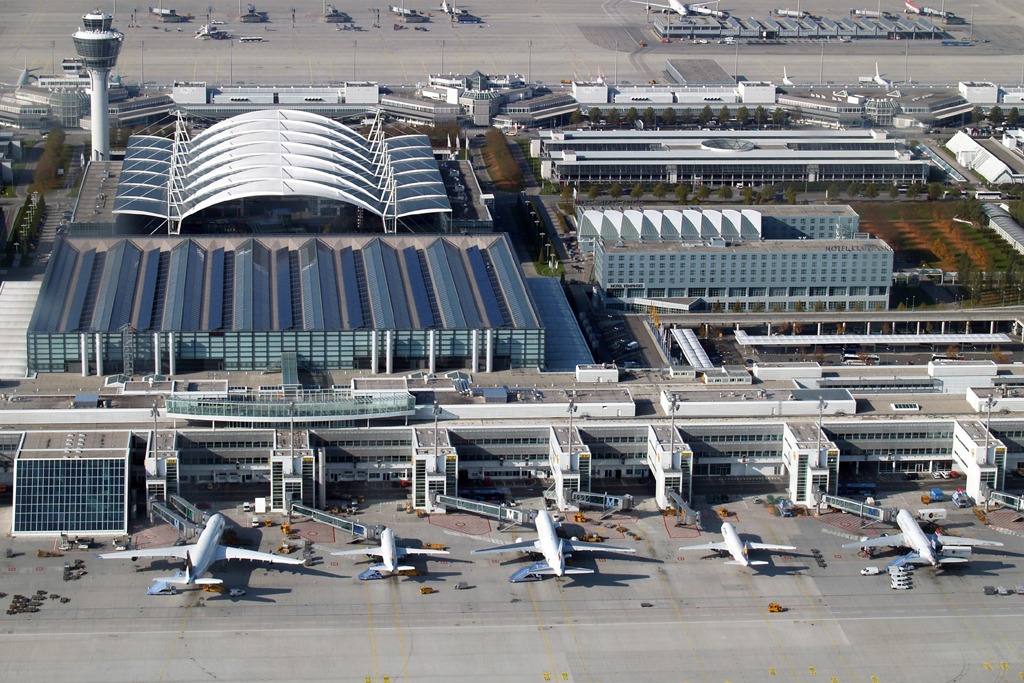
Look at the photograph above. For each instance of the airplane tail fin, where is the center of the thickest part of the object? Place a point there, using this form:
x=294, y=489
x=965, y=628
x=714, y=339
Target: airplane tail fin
x=186, y=579
x=748, y=563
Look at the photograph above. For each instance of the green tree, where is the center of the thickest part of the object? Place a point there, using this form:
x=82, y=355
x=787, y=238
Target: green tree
x=682, y=192
x=760, y=115
x=934, y=191
x=659, y=191
x=765, y=195
x=668, y=116
x=833, y=191
x=871, y=191
x=703, y=192
x=576, y=117
x=650, y=118
x=894, y=191
x=1013, y=116
x=725, y=192
x=594, y=114
x=914, y=190
x=996, y=116
x=790, y=195
x=632, y=115
x=779, y=116
x=593, y=191
x=977, y=115
x=706, y=115
x=742, y=116
x=613, y=117
x=637, y=192
x=615, y=191
x=724, y=115
x=748, y=195
x=853, y=190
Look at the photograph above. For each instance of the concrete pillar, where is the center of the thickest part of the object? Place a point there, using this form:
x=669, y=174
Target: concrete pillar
x=172, y=366
x=475, y=351
x=868, y=330
x=489, y=360
x=389, y=352
x=768, y=329
x=84, y=343
x=967, y=327
x=918, y=327
x=432, y=340
x=99, y=354
x=992, y=327
x=819, y=329
x=156, y=353
x=942, y=327
x=374, y=353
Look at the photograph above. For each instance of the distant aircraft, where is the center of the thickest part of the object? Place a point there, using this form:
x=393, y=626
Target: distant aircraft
x=199, y=557
x=786, y=80
x=924, y=548
x=390, y=554
x=684, y=9
x=554, y=550
x=211, y=31
x=738, y=549
x=879, y=80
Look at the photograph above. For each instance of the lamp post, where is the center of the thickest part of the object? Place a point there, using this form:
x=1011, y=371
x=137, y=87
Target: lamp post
x=442, y=57
x=142, y=62
x=529, y=62
x=437, y=414
x=156, y=436
x=572, y=409
x=355, y=44
x=53, y=64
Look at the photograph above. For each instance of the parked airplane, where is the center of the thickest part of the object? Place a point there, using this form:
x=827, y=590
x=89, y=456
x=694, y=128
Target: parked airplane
x=738, y=549
x=686, y=9
x=786, y=80
x=924, y=548
x=199, y=557
x=554, y=550
x=211, y=31
x=390, y=554
x=879, y=80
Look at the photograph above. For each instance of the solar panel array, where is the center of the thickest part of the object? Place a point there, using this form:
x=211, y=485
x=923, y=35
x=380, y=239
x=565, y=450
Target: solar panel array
x=279, y=283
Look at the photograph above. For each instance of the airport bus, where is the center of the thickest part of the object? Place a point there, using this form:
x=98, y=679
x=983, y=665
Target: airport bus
x=251, y=39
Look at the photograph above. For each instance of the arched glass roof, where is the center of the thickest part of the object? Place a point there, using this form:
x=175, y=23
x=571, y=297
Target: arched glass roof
x=280, y=152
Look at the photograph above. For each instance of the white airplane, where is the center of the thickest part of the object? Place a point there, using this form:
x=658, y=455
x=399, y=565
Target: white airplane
x=738, y=549
x=879, y=80
x=786, y=80
x=554, y=550
x=686, y=9
x=924, y=548
x=390, y=554
x=199, y=557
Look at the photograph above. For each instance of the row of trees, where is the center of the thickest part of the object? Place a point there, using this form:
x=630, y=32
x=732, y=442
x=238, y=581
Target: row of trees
x=996, y=115
x=502, y=164
x=52, y=159
x=669, y=116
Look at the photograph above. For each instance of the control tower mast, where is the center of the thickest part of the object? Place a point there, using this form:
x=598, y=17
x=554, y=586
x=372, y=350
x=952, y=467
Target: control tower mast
x=99, y=45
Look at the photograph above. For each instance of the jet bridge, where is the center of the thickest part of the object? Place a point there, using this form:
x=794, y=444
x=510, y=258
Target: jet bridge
x=508, y=517
x=186, y=528
x=608, y=505
x=348, y=526
x=690, y=516
x=859, y=508
x=191, y=512
x=1007, y=500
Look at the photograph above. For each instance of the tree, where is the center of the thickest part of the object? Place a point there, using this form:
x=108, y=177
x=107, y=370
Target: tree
x=637, y=192
x=790, y=195
x=724, y=115
x=833, y=191
x=725, y=192
x=779, y=116
x=576, y=117
x=934, y=191
x=853, y=190
x=659, y=191
x=615, y=190
x=996, y=116
x=668, y=116
x=706, y=115
x=1013, y=116
x=594, y=114
x=977, y=115
x=914, y=190
x=682, y=192
x=765, y=195
x=742, y=116
x=650, y=118
x=703, y=192
x=613, y=117
x=760, y=115
x=593, y=191
x=871, y=191
x=748, y=195
x=894, y=191
x=632, y=115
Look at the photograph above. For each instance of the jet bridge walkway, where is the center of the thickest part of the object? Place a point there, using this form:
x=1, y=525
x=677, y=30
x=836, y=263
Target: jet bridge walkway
x=690, y=516
x=190, y=511
x=348, y=526
x=508, y=517
x=859, y=508
x=1007, y=500
x=186, y=528
x=608, y=505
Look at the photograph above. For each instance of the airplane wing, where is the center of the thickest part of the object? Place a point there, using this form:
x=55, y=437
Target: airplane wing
x=880, y=542
x=522, y=546
x=179, y=551
x=420, y=551
x=361, y=551
x=958, y=540
x=580, y=546
x=227, y=553
x=770, y=546
x=720, y=545
x=535, y=570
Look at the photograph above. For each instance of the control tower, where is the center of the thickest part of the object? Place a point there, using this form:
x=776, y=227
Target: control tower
x=99, y=45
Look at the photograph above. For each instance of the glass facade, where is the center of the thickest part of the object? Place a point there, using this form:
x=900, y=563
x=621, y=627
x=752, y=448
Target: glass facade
x=70, y=495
